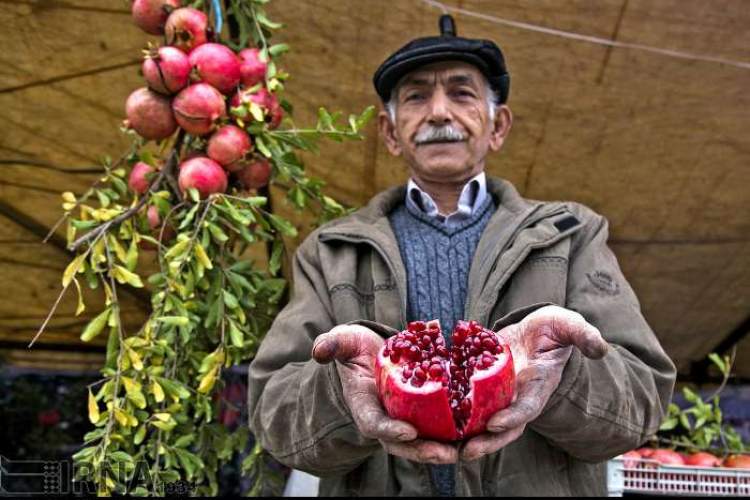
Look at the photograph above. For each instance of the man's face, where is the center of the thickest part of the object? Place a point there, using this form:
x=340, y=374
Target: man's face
x=440, y=97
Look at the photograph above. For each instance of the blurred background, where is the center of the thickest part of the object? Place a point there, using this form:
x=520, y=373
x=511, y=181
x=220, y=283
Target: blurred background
x=650, y=131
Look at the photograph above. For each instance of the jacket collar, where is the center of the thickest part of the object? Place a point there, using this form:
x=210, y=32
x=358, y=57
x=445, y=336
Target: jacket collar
x=504, y=194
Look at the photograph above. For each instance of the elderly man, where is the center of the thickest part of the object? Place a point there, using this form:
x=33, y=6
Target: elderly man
x=592, y=379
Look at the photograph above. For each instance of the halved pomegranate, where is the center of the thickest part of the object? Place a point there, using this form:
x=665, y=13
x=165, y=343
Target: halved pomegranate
x=447, y=393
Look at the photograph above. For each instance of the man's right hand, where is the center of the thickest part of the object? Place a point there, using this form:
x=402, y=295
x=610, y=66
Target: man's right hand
x=354, y=349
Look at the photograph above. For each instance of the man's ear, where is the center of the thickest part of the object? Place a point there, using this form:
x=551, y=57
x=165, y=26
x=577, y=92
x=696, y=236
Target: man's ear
x=501, y=127
x=388, y=132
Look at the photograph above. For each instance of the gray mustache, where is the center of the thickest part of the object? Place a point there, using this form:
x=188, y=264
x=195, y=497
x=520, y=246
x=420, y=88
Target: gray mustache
x=447, y=133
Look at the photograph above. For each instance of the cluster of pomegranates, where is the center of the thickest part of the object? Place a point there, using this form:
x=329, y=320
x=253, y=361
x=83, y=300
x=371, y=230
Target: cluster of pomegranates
x=448, y=392
x=190, y=82
x=664, y=456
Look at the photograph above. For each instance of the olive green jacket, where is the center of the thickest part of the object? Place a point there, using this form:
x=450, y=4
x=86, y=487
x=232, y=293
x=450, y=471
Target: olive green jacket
x=530, y=253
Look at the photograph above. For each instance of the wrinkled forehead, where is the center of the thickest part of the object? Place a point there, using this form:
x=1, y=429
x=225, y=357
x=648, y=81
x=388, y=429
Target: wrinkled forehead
x=444, y=73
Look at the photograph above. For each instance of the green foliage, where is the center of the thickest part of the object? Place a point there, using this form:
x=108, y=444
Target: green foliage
x=700, y=426
x=210, y=307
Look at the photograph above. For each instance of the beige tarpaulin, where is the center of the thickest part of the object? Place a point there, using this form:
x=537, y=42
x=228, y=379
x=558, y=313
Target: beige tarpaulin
x=656, y=140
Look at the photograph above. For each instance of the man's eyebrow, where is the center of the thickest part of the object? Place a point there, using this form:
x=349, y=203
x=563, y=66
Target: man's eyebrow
x=453, y=79
x=461, y=79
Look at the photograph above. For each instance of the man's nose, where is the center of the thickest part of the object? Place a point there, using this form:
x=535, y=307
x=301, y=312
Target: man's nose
x=439, y=109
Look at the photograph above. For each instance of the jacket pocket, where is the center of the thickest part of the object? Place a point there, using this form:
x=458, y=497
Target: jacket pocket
x=542, y=278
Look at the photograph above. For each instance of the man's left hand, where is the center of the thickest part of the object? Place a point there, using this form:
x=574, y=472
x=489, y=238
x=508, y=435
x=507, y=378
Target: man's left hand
x=541, y=345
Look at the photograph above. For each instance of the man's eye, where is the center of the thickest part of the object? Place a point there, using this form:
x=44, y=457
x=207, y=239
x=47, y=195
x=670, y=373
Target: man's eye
x=465, y=93
x=413, y=97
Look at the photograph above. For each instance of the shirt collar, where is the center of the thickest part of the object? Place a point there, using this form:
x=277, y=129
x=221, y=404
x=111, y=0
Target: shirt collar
x=472, y=195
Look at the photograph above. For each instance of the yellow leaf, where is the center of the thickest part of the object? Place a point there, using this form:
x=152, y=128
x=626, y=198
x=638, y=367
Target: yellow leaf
x=69, y=197
x=121, y=417
x=157, y=391
x=200, y=252
x=93, y=409
x=72, y=269
x=81, y=306
x=119, y=250
x=164, y=417
x=208, y=381
x=135, y=360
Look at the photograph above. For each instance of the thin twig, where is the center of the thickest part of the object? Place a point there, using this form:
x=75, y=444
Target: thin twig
x=85, y=197
x=59, y=297
x=141, y=202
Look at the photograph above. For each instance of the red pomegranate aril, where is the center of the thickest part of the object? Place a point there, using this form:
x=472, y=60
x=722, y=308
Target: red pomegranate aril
x=446, y=393
x=416, y=326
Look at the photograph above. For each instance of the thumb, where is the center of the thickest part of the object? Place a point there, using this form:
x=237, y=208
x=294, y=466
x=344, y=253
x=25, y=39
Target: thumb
x=342, y=343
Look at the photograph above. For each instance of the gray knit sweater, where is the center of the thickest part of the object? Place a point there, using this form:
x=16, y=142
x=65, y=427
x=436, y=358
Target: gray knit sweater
x=437, y=258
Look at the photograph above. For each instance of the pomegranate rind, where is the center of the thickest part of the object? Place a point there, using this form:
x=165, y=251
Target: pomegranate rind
x=426, y=408
x=491, y=391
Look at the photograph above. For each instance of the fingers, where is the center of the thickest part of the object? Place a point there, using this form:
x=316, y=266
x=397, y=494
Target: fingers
x=374, y=423
x=489, y=442
x=344, y=342
x=423, y=451
x=569, y=328
x=532, y=394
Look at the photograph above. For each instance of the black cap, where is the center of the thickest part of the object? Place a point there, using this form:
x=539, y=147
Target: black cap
x=484, y=54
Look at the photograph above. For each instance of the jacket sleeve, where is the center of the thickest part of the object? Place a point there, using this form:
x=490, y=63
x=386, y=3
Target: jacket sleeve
x=605, y=407
x=296, y=407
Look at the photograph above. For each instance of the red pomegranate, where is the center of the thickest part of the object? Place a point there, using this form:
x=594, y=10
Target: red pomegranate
x=166, y=70
x=155, y=224
x=198, y=108
x=255, y=174
x=150, y=114
x=737, y=461
x=702, y=459
x=446, y=393
x=263, y=98
x=217, y=65
x=150, y=15
x=228, y=146
x=139, y=177
x=203, y=174
x=186, y=28
x=646, y=452
x=631, y=459
x=667, y=457
x=253, y=69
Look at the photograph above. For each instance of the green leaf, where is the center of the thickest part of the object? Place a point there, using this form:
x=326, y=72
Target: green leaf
x=278, y=49
x=96, y=325
x=716, y=359
x=261, y=145
x=274, y=263
x=235, y=335
x=282, y=225
x=217, y=233
x=669, y=424
x=174, y=320
x=140, y=435
x=184, y=441
x=131, y=259
x=230, y=300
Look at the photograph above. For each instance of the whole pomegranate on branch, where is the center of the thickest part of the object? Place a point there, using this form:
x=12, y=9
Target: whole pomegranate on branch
x=210, y=132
